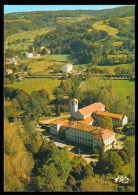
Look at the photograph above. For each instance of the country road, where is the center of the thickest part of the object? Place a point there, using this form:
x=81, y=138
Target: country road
x=50, y=120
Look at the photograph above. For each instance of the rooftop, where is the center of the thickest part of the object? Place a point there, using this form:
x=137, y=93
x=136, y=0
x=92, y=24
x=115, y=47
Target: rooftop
x=112, y=115
x=91, y=108
x=85, y=127
x=56, y=122
x=68, y=65
x=87, y=120
x=73, y=100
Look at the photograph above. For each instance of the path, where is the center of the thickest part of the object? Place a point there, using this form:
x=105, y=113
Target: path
x=52, y=119
x=81, y=84
x=120, y=141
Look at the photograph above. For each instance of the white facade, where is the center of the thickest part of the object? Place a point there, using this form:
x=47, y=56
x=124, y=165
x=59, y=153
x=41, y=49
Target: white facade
x=29, y=55
x=125, y=120
x=79, y=136
x=116, y=121
x=54, y=129
x=67, y=68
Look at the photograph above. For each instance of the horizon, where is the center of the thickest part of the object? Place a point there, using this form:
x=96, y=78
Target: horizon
x=29, y=8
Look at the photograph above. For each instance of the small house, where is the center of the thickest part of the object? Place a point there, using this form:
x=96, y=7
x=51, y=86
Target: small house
x=29, y=55
x=67, y=68
x=8, y=71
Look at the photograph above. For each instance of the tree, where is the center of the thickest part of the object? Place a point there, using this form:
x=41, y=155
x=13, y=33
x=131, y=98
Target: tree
x=12, y=77
x=129, y=147
x=44, y=52
x=106, y=122
x=18, y=163
x=58, y=112
x=48, y=179
x=114, y=162
x=125, y=158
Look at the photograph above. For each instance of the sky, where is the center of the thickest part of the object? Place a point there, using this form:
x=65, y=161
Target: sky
x=26, y=8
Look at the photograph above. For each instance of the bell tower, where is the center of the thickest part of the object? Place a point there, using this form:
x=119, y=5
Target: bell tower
x=73, y=107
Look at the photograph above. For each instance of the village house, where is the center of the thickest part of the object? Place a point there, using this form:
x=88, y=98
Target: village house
x=29, y=55
x=7, y=72
x=67, y=68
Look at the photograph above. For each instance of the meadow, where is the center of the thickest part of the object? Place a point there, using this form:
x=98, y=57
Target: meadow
x=123, y=88
x=101, y=26
x=31, y=84
x=129, y=168
x=27, y=35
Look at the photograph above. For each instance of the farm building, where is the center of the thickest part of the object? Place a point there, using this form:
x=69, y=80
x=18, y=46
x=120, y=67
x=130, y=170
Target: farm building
x=67, y=68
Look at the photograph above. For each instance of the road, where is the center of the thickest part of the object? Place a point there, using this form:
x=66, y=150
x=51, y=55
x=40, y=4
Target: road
x=45, y=122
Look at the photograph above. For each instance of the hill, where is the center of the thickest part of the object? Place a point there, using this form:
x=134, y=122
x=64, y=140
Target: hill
x=26, y=21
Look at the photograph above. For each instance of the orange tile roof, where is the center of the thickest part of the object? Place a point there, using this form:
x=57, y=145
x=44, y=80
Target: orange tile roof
x=106, y=133
x=91, y=108
x=85, y=127
x=65, y=123
x=73, y=100
x=112, y=115
x=56, y=122
x=87, y=120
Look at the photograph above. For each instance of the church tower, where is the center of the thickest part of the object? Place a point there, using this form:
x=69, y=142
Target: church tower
x=73, y=107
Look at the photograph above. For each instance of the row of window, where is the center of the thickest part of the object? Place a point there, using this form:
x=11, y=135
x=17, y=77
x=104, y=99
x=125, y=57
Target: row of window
x=77, y=137
x=78, y=141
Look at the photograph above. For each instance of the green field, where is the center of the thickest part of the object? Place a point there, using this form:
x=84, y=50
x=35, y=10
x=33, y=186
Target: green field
x=101, y=26
x=29, y=34
x=31, y=84
x=130, y=168
x=123, y=88
x=39, y=65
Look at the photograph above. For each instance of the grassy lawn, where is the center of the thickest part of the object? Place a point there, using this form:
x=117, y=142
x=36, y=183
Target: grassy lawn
x=122, y=87
x=57, y=57
x=129, y=168
x=94, y=83
x=111, y=68
x=31, y=84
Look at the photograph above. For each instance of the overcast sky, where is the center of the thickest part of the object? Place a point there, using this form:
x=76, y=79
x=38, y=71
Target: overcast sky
x=26, y=8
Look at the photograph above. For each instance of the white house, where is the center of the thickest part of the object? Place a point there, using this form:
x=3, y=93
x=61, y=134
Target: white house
x=29, y=55
x=15, y=62
x=55, y=126
x=67, y=68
